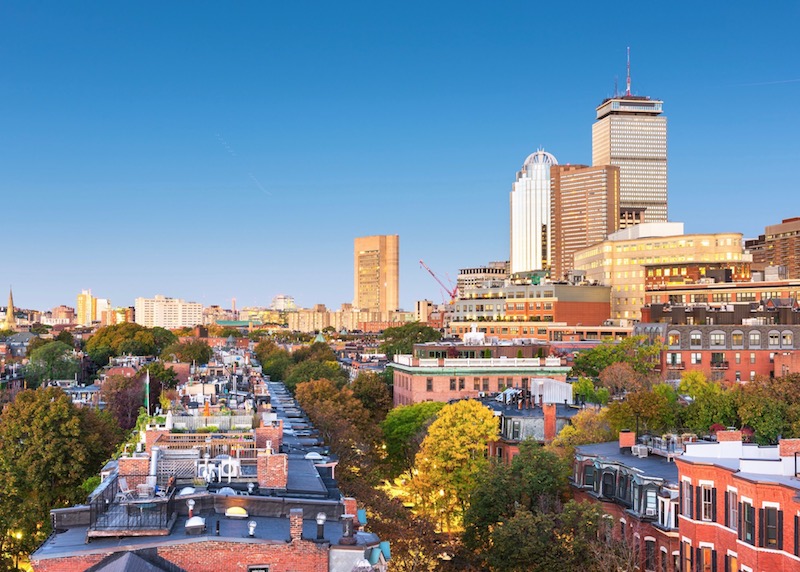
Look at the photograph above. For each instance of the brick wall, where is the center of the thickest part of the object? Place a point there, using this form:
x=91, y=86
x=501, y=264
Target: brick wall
x=150, y=438
x=134, y=469
x=75, y=564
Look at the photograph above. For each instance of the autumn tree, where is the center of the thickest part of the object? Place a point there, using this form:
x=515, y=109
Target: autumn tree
x=451, y=457
x=127, y=338
x=639, y=352
x=49, y=447
x=648, y=410
x=404, y=429
x=311, y=370
x=123, y=396
x=620, y=378
x=587, y=426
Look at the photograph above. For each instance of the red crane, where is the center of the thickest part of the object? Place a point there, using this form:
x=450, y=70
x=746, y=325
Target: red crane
x=452, y=290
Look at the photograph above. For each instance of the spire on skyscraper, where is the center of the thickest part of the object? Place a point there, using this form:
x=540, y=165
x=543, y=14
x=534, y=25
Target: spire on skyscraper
x=11, y=322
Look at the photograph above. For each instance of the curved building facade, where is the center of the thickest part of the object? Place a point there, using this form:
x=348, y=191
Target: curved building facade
x=530, y=214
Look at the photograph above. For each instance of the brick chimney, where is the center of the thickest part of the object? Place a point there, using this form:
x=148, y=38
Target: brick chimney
x=788, y=447
x=296, y=524
x=627, y=439
x=549, y=422
x=272, y=433
x=272, y=470
x=729, y=436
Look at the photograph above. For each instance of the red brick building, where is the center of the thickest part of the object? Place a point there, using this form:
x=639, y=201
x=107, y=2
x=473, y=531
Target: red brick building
x=739, y=506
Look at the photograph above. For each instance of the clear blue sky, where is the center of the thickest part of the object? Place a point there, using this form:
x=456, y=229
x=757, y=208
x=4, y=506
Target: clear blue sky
x=206, y=150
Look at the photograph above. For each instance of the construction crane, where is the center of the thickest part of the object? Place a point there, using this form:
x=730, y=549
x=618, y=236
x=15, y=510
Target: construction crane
x=452, y=291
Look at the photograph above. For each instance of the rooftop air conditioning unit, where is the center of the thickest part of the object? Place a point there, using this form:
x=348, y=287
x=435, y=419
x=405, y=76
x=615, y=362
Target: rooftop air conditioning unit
x=650, y=512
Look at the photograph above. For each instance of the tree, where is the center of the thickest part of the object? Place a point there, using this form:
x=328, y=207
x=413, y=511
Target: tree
x=451, y=457
x=370, y=389
x=401, y=339
x=52, y=361
x=65, y=337
x=404, y=429
x=647, y=410
x=39, y=329
x=587, y=426
x=536, y=478
x=127, y=338
x=192, y=351
x=637, y=351
x=123, y=396
x=49, y=448
x=310, y=370
x=585, y=388
x=620, y=378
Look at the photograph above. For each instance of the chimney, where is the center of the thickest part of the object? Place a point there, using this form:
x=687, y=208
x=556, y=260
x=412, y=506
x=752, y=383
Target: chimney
x=296, y=524
x=627, y=439
x=549, y=422
x=729, y=435
x=348, y=537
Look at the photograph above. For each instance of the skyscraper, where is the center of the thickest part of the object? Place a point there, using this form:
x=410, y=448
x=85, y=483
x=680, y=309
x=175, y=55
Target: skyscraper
x=530, y=214
x=376, y=274
x=585, y=210
x=86, y=308
x=631, y=133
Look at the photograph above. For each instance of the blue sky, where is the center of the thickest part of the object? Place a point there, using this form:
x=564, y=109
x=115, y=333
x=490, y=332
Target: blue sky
x=207, y=150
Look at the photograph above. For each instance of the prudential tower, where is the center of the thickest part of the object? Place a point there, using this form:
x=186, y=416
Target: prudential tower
x=530, y=214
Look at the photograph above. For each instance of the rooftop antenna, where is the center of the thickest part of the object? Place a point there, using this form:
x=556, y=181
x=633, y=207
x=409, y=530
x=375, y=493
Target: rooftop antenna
x=616, y=90
x=628, y=86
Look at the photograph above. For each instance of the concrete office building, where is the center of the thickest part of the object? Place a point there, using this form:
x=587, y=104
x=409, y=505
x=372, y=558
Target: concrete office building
x=86, y=308
x=779, y=245
x=630, y=133
x=376, y=273
x=620, y=260
x=169, y=313
x=470, y=277
x=531, y=241
x=584, y=210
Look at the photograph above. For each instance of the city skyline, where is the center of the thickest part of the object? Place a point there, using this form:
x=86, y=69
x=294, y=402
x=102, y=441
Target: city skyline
x=263, y=139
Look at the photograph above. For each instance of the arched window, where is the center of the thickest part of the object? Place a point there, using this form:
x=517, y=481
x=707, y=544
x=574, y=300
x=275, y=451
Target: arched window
x=754, y=339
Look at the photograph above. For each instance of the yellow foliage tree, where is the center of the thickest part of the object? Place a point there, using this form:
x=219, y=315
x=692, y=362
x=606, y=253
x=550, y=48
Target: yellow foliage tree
x=450, y=458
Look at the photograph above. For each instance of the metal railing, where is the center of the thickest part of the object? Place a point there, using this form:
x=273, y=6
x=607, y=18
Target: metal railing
x=114, y=511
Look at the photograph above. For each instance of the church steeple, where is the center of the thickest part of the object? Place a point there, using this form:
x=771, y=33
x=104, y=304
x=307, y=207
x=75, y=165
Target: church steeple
x=11, y=321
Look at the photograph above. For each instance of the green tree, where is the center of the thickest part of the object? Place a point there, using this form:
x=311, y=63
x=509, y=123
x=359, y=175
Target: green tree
x=587, y=426
x=404, y=429
x=49, y=448
x=401, y=339
x=370, y=389
x=192, y=351
x=451, y=457
x=39, y=329
x=536, y=478
x=648, y=410
x=127, y=338
x=310, y=370
x=51, y=362
x=586, y=389
x=65, y=337
x=637, y=351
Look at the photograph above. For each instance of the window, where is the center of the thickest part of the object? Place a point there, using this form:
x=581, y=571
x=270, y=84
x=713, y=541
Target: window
x=755, y=339
x=461, y=383
x=697, y=357
x=752, y=357
x=695, y=339
x=717, y=338
x=770, y=521
x=485, y=383
x=686, y=548
x=608, y=484
x=774, y=339
x=708, y=506
x=588, y=476
x=731, y=563
x=687, y=491
x=476, y=383
x=737, y=339
x=664, y=561
x=674, y=339
x=452, y=384
x=747, y=515
x=706, y=559
x=650, y=555
x=737, y=357
x=515, y=430
x=786, y=339
x=429, y=384
x=673, y=359
x=732, y=510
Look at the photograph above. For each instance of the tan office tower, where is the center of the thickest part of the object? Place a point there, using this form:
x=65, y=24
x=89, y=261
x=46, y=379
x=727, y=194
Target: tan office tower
x=376, y=273
x=584, y=210
x=631, y=134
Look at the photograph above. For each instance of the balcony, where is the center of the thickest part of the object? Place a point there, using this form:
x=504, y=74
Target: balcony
x=678, y=365
x=719, y=365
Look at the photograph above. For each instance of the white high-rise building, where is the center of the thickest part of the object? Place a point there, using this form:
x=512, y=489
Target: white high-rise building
x=530, y=214
x=169, y=313
x=630, y=133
